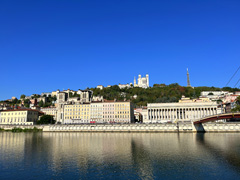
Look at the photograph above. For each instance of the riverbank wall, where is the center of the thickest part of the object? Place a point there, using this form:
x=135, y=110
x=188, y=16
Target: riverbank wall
x=180, y=127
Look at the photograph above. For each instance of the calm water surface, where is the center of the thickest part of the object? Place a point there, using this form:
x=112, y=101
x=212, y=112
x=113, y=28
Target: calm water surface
x=119, y=156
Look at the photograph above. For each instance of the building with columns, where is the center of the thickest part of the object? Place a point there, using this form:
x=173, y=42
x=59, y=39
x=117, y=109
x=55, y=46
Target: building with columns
x=188, y=111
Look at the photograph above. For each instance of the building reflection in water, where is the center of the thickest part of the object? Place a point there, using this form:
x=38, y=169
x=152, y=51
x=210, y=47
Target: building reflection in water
x=138, y=155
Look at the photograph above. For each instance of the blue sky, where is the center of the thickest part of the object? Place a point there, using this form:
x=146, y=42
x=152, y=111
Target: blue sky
x=50, y=45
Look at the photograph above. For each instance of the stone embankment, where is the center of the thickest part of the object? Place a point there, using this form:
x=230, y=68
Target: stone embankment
x=181, y=127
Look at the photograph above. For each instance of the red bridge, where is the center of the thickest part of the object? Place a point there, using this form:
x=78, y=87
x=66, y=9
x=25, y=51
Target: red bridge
x=217, y=117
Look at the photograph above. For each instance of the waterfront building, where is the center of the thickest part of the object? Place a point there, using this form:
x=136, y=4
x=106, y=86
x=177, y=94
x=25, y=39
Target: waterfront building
x=50, y=111
x=124, y=112
x=19, y=116
x=96, y=112
x=188, y=111
x=108, y=111
x=76, y=113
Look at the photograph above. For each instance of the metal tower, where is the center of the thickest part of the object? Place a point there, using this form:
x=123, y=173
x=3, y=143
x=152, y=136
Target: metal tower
x=188, y=81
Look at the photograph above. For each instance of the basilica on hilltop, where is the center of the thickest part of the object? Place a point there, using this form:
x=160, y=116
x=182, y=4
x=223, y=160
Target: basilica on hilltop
x=142, y=82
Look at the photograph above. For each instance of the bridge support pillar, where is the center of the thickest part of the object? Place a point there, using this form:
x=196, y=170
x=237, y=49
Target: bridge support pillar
x=197, y=127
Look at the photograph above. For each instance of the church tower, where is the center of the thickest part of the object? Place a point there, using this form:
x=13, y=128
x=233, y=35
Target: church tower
x=134, y=82
x=147, y=77
x=139, y=80
x=188, y=80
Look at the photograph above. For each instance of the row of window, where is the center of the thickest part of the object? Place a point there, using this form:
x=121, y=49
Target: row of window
x=10, y=120
x=16, y=113
x=97, y=109
x=77, y=109
x=83, y=113
x=93, y=117
x=70, y=106
x=184, y=109
x=99, y=121
x=78, y=113
x=76, y=117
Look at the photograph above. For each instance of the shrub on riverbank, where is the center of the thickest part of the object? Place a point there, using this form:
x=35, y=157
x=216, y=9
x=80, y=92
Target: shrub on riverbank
x=26, y=130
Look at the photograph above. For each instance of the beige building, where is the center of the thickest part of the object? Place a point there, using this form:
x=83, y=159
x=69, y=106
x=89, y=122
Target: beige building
x=19, y=116
x=124, y=112
x=76, y=113
x=98, y=112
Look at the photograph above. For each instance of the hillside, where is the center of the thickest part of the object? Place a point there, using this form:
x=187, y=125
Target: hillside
x=159, y=93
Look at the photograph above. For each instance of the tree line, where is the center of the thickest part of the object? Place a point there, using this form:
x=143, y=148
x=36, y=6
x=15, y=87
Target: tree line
x=159, y=93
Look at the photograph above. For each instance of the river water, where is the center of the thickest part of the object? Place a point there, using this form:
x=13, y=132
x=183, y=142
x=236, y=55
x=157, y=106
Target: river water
x=119, y=156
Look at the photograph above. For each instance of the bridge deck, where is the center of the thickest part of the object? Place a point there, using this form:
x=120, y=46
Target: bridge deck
x=217, y=117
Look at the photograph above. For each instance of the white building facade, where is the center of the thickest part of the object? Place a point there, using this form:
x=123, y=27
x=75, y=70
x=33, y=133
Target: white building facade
x=165, y=112
x=143, y=82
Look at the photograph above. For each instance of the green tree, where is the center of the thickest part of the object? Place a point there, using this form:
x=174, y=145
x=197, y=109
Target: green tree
x=22, y=96
x=26, y=103
x=46, y=119
x=15, y=101
x=41, y=103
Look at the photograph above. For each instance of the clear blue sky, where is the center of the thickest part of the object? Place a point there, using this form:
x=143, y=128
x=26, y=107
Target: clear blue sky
x=50, y=45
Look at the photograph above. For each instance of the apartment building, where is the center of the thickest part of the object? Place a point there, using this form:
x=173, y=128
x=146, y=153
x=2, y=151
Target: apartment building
x=76, y=113
x=19, y=116
x=123, y=112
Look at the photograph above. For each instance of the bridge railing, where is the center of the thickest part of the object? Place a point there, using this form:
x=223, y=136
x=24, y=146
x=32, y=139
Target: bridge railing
x=217, y=115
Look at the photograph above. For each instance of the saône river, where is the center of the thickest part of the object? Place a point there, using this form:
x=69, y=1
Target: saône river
x=119, y=156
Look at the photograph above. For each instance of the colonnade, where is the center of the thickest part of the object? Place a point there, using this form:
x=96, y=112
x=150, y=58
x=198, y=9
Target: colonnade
x=180, y=113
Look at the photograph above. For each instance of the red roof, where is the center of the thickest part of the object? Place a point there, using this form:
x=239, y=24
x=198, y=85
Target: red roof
x=22, y=110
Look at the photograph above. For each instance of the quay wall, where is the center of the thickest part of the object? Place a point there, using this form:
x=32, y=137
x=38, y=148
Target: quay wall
x=181, y=127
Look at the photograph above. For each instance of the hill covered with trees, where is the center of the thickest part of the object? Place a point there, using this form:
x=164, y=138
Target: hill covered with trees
x=159, y=93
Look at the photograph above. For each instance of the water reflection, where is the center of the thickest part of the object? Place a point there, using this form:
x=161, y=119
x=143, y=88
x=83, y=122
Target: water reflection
x=228, y=150
x=119, y=155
